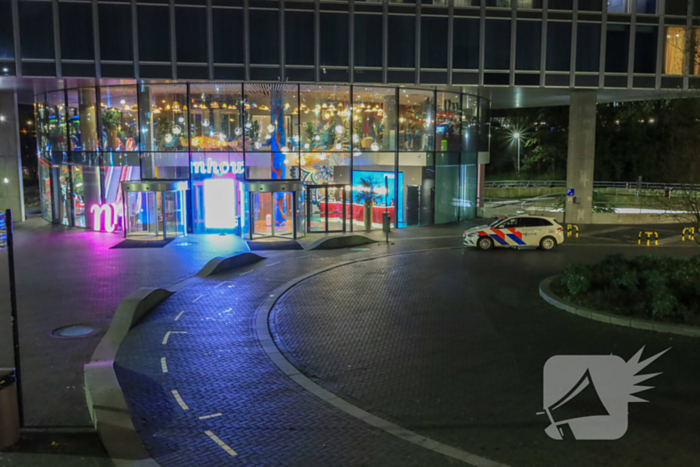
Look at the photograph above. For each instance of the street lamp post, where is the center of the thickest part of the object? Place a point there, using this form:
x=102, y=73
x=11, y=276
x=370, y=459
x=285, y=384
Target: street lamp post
x=517, y=138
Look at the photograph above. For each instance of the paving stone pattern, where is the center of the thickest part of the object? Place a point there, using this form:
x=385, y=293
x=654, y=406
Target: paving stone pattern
x=219, y=367
x=452, y=344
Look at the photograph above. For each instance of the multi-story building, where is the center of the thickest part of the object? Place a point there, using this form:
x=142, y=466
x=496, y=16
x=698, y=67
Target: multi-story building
x=259, y=117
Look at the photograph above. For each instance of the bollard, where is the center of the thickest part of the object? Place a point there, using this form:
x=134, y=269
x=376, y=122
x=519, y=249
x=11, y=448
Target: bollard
x=648, y=234
x=691, y=233
x=9, y=410
x=570, y=230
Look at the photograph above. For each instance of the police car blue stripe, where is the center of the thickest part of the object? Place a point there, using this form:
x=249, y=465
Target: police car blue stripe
x=499, y=239
x=515, y=239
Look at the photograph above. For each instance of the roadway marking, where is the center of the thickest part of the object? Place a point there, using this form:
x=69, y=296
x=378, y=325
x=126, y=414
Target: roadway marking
x=179, y=400
x=163, y=365
x=268, y=265
x=179, y=314
x=221, y=283
x=167, y=335
x=221, y=444
x=244, y=273
x=197, y=298
x=304, y=257
x=204, y=417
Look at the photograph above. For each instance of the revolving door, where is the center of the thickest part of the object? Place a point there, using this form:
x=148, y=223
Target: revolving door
x=275, y=209
x=154, y=210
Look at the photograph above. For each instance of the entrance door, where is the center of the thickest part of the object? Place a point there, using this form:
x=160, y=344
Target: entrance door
x=272, y=215
x=326, y=208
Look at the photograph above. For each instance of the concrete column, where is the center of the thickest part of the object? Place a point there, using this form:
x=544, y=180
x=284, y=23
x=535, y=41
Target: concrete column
x=581, y=156
x=11, y=187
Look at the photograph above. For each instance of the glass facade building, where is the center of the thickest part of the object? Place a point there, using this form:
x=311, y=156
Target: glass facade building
x=258, y=159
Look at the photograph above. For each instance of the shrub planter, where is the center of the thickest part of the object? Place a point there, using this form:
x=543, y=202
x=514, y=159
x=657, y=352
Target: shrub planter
x=637, y=323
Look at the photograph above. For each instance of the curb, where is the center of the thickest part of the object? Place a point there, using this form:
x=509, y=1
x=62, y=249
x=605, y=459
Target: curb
x=106, y=404
x=332, y=243
x=636, y=323
x=262, y=316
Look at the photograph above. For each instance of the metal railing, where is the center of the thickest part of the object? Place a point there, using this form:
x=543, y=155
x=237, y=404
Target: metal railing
x=643, y=186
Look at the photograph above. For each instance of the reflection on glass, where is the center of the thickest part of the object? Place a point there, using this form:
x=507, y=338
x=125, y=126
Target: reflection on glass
x=325, y=118
x=53, y=122
x=271, y=118
x=119, y=118
x=45, y=189
x=417, y=189
x=416, y=120
x=82, y=119
x=470, y=123
x=216, y=113
x=448, y=122
x=163, y=114
x=78, y=196
x=447, y=201
x=325, y=168
x=374, y=119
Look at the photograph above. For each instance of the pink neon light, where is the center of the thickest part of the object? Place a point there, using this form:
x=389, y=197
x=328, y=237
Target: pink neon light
x=112, y=217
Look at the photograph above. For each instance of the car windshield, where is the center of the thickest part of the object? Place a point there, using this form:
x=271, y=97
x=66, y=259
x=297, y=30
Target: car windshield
x=500, y=219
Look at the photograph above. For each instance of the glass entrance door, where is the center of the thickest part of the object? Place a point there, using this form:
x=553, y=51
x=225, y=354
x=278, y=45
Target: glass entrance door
x=173, y=214
x=142, y=214
x=272, y=215
x=326, y=208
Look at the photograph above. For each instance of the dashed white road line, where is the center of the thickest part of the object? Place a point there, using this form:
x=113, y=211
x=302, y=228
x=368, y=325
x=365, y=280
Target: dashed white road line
x=221, y=283
x=197, y=298
x=179, y=400
x=204, y=417
x=163, y=365
x=221, y=444
x=268, y=265
x=244, y=273
x=304, y=257
x=167, y=335
x=179, y=314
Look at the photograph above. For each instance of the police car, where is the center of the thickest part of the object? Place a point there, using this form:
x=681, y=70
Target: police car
x=516, y=231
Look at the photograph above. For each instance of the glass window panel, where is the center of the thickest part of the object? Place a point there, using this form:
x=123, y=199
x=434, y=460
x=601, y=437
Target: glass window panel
x=374, y=119
x=299, y=44
x=228, y=35
x=676, y=7
x=433, y=42
x=119, y=118
x=76, y=31
x=83, y=119
x=416, y=120
x=484, y=125
x=588, y=47
x=402, y=41
x=325, y=118
x=497, y=46
x=165, y=166
x=115, y=21
x=470, y=123
x=647, y=7
x=448, y=122
x=218, y=204
x=529, y=4
x=163, y=117
x=36, y=30
x=674, y=52
x=590, y=5
x=468, y=188
x=216, y=113
x=447, y=192
x=466, y=44
x=154, y=33
x=562, y=4
x=6, y=38
x=373, y=189
x=617, y=48
x=645, y=49
x=55, y=121
x=325, y=168
x=618, y=6
x=498, y=3
x=264, y=37
x=334, y=39
x=45, y=189
x=416, y=189
x=191, y=33
x=558, y=46
x=527, y=51
x=272, y=119
x=368, y=45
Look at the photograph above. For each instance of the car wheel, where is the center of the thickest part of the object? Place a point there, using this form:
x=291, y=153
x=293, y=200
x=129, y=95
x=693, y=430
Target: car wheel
x=547, y=243
x=484, y=243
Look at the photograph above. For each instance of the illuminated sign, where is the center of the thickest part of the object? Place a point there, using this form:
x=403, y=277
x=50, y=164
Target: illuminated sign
x=106, y=216
x=219, y=203
x=217, y=168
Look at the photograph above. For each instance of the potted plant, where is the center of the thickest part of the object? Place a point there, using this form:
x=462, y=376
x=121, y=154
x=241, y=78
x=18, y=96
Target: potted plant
x=111, y=119
x=367, y=196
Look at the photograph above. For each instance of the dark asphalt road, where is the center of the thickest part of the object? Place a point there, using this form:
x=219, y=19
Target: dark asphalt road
x=452, y=344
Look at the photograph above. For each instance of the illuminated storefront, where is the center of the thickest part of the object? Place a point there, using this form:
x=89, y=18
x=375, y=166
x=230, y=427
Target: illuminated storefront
x=258, y=160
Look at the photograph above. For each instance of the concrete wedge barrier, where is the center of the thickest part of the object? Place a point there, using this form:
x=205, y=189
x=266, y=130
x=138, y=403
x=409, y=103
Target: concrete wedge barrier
x=332, y=243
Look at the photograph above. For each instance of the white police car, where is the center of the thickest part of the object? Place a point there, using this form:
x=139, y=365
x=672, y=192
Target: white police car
x=516, y=231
